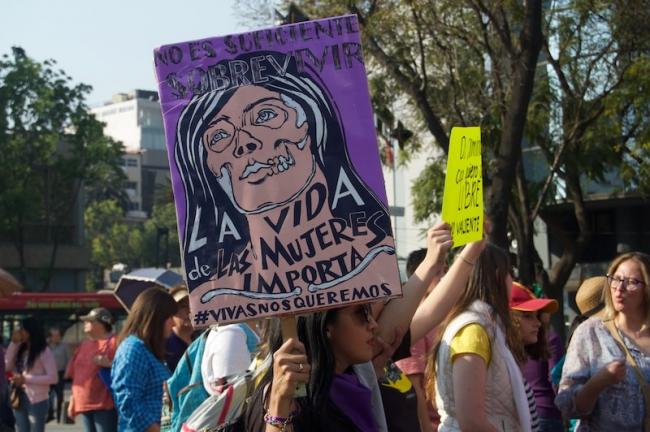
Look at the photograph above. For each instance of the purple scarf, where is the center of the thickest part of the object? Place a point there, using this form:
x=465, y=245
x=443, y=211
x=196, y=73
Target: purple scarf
x=354, y=400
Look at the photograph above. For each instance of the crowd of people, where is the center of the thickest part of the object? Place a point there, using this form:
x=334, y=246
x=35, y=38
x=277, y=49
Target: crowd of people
x=465, y=348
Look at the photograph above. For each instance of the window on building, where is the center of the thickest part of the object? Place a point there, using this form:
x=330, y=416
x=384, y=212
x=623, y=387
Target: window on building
x=131, y=162
x=134, y=206
x=132, y=185
x=153, y=138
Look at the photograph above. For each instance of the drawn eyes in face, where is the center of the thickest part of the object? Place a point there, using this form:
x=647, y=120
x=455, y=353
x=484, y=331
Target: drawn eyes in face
x=268, y=115
x=219, y=135
x=216, y=138
x=264, y=116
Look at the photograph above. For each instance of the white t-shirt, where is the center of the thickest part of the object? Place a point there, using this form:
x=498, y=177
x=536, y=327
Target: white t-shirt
x=226, y=354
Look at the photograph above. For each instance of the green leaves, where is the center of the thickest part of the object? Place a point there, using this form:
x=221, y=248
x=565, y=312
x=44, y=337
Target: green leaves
x=52, y=150
x=113, y=239
x=427, y=191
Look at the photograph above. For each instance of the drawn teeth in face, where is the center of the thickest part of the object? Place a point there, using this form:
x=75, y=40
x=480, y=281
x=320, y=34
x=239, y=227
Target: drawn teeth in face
x=281, y=163
x=274, y=167
x=277, y=164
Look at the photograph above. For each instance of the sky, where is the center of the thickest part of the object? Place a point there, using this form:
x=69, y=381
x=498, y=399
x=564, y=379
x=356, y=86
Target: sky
x=109, y=44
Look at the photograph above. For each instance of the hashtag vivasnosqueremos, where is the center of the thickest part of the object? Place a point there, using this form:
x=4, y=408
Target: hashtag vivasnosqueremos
x=201, y=317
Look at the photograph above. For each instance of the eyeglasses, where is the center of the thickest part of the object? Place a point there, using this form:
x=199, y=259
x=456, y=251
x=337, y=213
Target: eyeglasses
x=629, y=284
x=365, y=312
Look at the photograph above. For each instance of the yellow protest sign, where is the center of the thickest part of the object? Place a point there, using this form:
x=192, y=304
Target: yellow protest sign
x=462, y=204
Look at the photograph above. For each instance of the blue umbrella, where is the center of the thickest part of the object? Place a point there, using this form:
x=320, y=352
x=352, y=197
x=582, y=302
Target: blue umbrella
x=132, y=284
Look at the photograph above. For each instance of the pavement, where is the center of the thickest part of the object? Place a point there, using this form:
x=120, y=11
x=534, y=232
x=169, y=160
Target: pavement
x=55, y=427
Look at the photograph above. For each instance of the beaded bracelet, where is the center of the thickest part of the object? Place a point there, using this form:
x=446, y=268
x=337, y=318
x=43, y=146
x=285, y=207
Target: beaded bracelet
x=279, y=422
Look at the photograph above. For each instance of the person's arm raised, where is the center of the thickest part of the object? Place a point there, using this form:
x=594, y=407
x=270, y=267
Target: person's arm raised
x=612, y=373
x=437, y=305
x=290, y=368
x=399, y=312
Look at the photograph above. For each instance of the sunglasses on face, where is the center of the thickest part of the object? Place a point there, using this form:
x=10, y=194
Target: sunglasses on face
x=629, y=284
x=364, y=312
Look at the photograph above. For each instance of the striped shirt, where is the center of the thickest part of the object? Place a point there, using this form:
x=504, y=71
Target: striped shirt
x=532, y=406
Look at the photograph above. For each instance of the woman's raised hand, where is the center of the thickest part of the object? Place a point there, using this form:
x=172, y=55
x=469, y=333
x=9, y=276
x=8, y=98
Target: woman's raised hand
x=472, y=251
x=439, y=242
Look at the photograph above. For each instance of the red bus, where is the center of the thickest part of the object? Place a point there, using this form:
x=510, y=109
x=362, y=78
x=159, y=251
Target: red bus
x=60, y=310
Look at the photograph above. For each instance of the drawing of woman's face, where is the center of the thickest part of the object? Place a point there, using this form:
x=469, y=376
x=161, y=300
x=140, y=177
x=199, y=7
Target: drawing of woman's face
x=259, y=143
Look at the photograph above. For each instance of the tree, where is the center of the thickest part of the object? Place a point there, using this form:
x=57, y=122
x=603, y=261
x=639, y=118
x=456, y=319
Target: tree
x=160, y=236
x=110, y=239
x=458, y=63
x=474, y=62
x=113, y=239
x=53, y=149
x=589, y=118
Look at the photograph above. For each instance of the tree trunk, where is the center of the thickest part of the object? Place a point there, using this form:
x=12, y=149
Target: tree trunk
x=523, y=66
x=19, y=243
x=527, y=254
x=55, y=248
x=573, y=247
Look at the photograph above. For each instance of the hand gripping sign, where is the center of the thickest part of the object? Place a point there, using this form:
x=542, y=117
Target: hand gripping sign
x=462, y=204
x=280, y=199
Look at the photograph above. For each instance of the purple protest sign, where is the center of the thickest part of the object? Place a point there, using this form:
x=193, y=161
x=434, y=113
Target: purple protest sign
x=279, y=192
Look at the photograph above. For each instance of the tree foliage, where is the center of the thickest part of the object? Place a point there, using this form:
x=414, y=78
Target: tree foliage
x=112, y=238
x=563, y=82
x=53, y=149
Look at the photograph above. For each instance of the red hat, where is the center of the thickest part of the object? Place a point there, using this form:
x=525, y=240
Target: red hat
x=522, y=299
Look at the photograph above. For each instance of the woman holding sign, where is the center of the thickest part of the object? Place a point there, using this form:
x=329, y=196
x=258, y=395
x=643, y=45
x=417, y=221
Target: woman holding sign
x=335, y=348
x=479, y=385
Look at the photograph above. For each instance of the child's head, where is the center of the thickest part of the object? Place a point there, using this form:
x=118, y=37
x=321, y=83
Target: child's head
x=527, y=311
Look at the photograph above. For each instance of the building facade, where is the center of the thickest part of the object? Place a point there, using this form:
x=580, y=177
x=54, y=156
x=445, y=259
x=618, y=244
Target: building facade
x=135, y=119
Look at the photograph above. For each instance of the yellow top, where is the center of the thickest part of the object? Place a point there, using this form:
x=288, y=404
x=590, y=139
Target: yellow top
x=471, y=339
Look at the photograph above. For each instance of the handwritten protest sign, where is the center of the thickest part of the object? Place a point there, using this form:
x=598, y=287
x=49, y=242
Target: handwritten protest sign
x=462, y=204
x=279, y=193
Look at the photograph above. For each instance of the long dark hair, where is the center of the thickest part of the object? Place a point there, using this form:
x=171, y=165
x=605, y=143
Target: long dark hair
x=147, y=318
x=205, y=199
x=37, y=341
x=487, y=283
x=312, y=332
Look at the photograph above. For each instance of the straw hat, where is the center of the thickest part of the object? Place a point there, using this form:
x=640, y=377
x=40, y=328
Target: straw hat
x=589, y=297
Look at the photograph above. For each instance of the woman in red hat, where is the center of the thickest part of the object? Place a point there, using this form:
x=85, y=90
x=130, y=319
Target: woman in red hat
x=535, y=355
